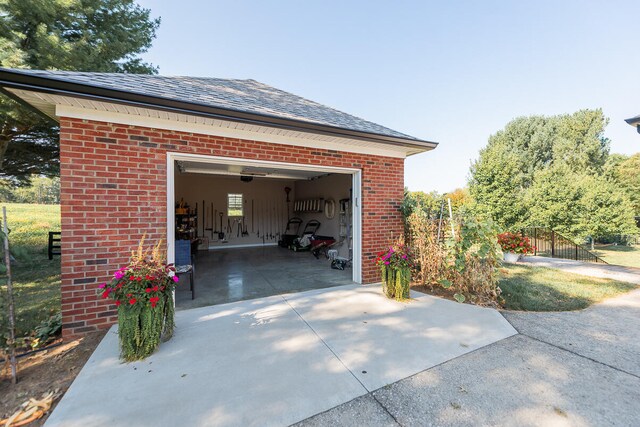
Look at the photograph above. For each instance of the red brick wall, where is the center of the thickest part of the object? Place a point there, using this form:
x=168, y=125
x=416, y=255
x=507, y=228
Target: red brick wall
x=113, y=190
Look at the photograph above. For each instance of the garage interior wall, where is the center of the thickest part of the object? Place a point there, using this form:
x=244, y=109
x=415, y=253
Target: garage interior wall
x=329, y=187
x=267, y=194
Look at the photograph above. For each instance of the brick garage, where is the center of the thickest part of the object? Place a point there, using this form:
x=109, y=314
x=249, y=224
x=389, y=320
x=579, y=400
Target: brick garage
x=114, y=170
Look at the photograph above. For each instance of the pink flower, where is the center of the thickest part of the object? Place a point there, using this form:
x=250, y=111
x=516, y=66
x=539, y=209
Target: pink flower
x=118, y=274
x=102, y=285
x=175, y=279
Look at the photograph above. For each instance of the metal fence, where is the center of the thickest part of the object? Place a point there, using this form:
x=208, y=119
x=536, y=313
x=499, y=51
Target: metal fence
x=552, y=244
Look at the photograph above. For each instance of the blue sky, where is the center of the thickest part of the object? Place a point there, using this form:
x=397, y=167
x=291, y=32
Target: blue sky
x=451, y=72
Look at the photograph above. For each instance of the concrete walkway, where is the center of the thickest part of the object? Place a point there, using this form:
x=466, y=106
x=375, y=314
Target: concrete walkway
x=605, y=271
x=277, y=360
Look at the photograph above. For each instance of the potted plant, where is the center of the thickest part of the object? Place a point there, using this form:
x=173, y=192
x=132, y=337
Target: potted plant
x=143, y=293
x=514, y=246
x=395, y=268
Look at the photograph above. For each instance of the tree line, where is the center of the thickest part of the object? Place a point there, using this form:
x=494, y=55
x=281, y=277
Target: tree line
x=557, y=172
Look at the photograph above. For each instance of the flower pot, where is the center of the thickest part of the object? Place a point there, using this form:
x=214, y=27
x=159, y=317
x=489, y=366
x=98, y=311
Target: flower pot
x=511, y=257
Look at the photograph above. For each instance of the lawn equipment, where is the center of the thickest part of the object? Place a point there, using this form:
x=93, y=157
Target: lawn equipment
x=291, y=233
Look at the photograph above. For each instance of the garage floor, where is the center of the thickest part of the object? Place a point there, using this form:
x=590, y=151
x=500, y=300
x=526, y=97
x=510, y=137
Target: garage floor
x=229, y=275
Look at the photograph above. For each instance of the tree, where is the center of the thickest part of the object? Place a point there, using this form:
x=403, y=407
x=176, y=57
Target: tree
x=460, y=198
x=554, y=200
x=520, y=153
x=628, y=176
x=605, y=209
x=78, y=35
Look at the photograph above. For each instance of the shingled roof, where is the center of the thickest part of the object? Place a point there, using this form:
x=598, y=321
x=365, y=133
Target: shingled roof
x=247, y=96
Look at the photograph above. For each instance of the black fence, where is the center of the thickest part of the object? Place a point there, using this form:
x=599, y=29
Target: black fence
x=53, y=248
x=551, y=244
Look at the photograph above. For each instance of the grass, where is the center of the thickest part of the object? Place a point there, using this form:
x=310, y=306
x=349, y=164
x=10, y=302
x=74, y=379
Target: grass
x=36, y=280
x=628, y=256
x=545, y=289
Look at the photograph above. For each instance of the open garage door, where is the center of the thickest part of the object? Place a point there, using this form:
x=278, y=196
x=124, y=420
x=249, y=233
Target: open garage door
x=256, y=228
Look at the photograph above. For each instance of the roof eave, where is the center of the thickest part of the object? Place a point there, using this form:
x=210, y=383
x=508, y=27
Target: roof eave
x=17, y=80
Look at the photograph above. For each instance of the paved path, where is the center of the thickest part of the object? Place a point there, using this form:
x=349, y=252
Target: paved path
x=578, y=368
x=606, y=271
x=276, y=360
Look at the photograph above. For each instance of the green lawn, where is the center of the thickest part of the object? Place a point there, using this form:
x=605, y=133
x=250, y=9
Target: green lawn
x=36, y=279
x=545, y=289
x=628, y=256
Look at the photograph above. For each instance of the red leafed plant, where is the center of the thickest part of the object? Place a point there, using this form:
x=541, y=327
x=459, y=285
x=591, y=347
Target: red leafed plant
x=516, y=243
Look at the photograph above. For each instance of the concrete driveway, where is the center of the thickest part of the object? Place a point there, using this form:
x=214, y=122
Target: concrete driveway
x=579, y=368
x=277, y=360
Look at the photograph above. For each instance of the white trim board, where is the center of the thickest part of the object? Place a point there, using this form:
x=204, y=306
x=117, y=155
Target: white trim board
x=356, y=219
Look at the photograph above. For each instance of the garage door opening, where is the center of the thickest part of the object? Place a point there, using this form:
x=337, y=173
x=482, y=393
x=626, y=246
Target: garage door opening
x=256, y=229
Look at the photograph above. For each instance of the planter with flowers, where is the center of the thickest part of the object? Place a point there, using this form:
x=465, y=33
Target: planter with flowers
x=514, y=246
x=395, y=268
x=143, y=293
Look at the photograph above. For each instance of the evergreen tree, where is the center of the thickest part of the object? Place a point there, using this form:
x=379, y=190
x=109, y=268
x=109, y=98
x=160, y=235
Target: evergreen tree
x=78, y=35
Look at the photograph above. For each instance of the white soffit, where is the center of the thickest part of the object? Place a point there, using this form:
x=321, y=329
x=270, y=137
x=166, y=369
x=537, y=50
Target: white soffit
x=57, y=106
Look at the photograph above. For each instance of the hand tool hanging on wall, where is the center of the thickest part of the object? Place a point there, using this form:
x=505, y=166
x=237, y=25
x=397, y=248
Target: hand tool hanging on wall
x=258, y=221
x=206, y=219
x=253, y=230
x=287, y=190
x=239, y=224
x=221, y=233
x=270, y=220
x=245, y=233
x=213, y=220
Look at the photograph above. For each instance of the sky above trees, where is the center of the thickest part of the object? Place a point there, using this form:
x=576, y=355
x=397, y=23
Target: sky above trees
x=451, y=72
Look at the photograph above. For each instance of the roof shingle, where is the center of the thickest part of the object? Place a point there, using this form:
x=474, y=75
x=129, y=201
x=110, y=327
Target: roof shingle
x=247, y=96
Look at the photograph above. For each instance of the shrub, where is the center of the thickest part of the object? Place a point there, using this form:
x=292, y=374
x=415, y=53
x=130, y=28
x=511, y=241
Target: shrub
x=515, y=242
x=46, y=330
x=466, y=262
x=421, y=233
x=474, y=257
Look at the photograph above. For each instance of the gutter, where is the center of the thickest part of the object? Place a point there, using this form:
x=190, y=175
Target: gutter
x=17, y=80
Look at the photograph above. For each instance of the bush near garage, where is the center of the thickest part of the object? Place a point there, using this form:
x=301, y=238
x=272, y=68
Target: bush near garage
x=465, y=263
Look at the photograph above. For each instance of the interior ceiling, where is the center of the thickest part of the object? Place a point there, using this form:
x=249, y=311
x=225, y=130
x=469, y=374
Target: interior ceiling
x=222, y=169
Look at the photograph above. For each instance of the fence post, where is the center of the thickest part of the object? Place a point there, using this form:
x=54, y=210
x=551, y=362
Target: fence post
x=576, y=252
x=553, y=243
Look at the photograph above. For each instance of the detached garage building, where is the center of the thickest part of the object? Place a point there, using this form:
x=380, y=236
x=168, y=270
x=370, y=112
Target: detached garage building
x=221, y=163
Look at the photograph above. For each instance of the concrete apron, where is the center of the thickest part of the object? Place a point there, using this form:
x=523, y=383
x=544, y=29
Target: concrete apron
x=275, y=361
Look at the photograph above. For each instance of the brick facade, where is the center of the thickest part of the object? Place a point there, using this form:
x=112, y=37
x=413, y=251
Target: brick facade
x=113, y=190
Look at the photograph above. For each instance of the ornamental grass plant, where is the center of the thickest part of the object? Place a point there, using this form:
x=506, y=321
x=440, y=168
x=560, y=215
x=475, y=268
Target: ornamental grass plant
x=143, y=293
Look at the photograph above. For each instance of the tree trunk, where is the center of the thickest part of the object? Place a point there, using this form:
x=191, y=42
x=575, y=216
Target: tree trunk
x=12, y=318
